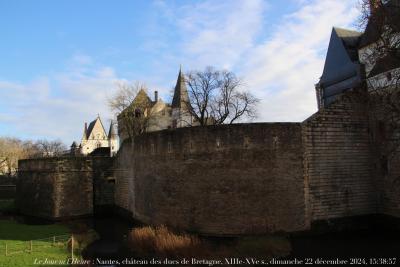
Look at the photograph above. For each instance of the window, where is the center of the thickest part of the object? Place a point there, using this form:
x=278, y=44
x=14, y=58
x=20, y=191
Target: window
x=138, y=113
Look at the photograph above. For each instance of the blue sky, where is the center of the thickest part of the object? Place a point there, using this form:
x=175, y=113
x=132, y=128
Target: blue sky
x=61, y=60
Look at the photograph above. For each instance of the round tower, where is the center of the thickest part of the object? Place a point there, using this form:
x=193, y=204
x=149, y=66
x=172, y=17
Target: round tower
x=113, y=141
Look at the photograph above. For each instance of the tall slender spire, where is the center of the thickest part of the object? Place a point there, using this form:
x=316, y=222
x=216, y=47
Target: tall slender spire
x=84, y=137
x=181, y=97
x=111, y=133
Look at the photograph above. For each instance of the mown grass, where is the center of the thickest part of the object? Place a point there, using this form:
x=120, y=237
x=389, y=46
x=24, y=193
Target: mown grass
x=162, y=242
x=17, y=236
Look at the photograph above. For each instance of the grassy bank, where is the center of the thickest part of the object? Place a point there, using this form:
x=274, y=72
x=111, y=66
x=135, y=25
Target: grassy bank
x=17, y=236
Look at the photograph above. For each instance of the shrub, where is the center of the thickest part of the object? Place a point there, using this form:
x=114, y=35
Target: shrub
x=160, y=241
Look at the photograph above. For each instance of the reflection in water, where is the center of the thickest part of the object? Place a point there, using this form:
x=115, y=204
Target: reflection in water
x=375, y=242
x=112, y=247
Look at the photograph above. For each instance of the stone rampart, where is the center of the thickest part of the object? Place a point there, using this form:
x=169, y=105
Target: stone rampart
x=218, y=180
x=230, y=179
x=56, y=188
x=339, y=169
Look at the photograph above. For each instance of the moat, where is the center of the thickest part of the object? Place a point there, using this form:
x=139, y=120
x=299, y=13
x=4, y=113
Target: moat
x=368, y=243
x=366, y=240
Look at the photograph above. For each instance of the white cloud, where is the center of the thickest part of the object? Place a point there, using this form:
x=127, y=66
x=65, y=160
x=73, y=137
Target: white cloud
x=282, y=70
x=219, y=32
x=279, y=65
x=57, y=106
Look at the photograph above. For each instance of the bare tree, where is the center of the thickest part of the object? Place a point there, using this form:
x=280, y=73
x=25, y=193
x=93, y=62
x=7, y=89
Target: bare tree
x=12, y=150
x=381, y=56
x=47, y=148
x=217, y=97
x=381, y=20
x=133, y=109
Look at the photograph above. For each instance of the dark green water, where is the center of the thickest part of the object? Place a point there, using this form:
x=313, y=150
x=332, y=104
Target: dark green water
x=355, y=245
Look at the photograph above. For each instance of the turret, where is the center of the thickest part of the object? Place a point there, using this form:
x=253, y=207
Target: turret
x=180, y=103
x=113, y=140
x=181, y=97
x=155, y=96
x=74, y=148
x=84, y=137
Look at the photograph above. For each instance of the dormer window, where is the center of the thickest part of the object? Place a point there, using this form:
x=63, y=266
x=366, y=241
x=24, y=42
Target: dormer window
x=138, y=113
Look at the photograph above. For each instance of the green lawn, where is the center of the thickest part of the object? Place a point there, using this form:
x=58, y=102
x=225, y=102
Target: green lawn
x=17, y=237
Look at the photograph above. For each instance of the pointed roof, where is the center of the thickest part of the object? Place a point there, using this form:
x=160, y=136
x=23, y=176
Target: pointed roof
x=92, y=124
x=180, y=93
x=342, y=58
x=111, y=132
x=142, y=97
x=85, y=135
x=350, y=41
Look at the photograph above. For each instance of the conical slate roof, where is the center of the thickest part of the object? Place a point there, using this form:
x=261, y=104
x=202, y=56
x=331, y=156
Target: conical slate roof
x=111, y=132
x=181, y=97
x=85, y=136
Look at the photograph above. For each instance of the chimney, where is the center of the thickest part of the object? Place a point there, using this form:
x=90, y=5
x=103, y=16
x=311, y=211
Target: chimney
x=156, y=96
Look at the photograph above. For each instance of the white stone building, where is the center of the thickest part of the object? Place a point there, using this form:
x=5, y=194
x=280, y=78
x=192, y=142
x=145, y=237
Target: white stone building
x=94, y=136
x=163, y=115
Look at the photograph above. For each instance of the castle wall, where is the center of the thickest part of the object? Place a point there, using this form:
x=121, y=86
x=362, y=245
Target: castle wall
x=225, y=180
x=103, y=181
x=339, y=170
x=59, y=187
x=386, y=136
x=230, y=179
x=123, y=172
x=390, y=174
